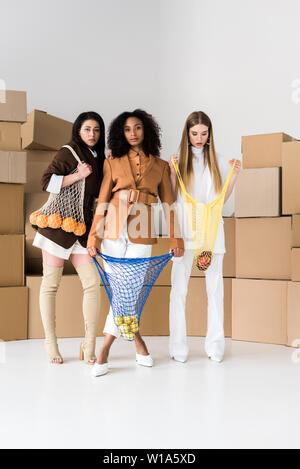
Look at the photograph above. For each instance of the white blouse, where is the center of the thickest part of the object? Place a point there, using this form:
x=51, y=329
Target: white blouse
x=203, y=191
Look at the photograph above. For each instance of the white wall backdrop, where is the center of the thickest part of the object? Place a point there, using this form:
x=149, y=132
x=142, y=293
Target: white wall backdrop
x=236, y=60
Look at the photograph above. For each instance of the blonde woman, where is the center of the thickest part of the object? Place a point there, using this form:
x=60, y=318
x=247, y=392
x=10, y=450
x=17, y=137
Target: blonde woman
x=203, y=173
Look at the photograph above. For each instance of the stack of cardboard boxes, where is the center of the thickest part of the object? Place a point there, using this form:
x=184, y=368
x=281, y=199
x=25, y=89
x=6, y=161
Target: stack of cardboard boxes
x=13, y=293
x=266, y=199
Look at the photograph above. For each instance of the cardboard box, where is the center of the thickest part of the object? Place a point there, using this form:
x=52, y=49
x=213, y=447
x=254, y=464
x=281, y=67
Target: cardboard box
x=37, y=163
x=196, y=307
x=263, y=248
x=33, y=202
x=45, y=132
x=259, y=311
x=12, y=260
x=258, y=193
x=13, y=313
x=296, y=231
x=290, y=178
x=155, y=316
x=13, y=106
x=263, y=151
x=296, y=265
x=10, y=136
x=69, y=316
x=34, y=260
x=293, y=315
x=11, y=209
x=229, y=258
x=13, y=167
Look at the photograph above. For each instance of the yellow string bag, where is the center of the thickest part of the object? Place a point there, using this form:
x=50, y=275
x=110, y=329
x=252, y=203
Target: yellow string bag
x=204, y=220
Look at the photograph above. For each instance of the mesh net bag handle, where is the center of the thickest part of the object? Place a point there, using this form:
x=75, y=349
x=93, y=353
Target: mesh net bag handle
x=204, y=220
x=128, y=283
x=64, y=210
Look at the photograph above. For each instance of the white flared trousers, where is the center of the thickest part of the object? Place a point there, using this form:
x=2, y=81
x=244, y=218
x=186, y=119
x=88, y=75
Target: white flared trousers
x=122, y=247
x=181, y=271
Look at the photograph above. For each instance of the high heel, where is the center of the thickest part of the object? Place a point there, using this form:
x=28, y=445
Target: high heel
x=87, y=355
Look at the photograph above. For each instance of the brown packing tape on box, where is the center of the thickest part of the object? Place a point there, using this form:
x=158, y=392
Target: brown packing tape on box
x=13, y=106
x=12, y=260
x=258, y=193
x=45, y=132
x=69, y=316
x=259, y=311
x=13, y=313
x=12, y=209
x=33, y=202
x=293, y=314
x=10, y=136
x=263, y=151
x=34, y=260
x=290, y=178
x=13, y=167
x=196, y=307
x=37, y=163
x=263, y=248
x=229, y=257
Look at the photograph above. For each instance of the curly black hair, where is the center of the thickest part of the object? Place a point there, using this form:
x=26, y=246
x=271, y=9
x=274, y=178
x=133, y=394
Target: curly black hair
x=117, y=141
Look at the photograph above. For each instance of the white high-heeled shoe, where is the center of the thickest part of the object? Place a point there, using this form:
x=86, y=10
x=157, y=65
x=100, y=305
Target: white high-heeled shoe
x=144, y=360
x=179, y=358
x=216, y=358
x=99, y=370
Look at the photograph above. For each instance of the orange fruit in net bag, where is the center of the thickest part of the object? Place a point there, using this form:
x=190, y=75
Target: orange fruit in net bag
x=54, y=221
x=80, y=229
x=42, y=221
x=204, y=260
x=33, y=217
x=69, y=224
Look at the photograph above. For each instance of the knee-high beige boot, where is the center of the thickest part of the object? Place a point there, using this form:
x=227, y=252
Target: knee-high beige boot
x=50, y=283
x=90, y=280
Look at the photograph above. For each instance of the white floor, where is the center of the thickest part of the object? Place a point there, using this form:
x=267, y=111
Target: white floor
x=251, y=400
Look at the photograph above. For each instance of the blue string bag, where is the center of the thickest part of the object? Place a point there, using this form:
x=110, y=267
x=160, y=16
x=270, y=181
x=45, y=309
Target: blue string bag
x=128, y=283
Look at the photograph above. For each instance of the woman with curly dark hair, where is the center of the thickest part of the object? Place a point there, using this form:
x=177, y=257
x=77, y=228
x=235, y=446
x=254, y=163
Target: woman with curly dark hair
x=123, y=223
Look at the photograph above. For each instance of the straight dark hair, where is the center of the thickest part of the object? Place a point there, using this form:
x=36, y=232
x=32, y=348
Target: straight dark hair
x=100, y=145
x=117, y=141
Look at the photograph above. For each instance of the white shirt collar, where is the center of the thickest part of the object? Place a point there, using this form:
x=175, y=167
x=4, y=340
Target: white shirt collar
x=198, y=152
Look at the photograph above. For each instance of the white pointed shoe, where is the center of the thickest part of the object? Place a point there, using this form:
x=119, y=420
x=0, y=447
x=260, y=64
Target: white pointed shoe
x=216, y=358
x=179, y=358
x=99, y=370
x=144, y=360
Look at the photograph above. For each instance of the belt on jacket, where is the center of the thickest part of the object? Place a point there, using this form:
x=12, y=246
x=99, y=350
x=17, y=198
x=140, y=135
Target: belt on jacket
x=135, y=196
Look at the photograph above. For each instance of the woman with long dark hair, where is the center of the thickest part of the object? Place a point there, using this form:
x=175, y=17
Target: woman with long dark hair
x=123, y=223
x=88, y=143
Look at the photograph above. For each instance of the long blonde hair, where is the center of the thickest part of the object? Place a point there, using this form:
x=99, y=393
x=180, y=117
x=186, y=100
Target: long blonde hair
x=210, y=157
